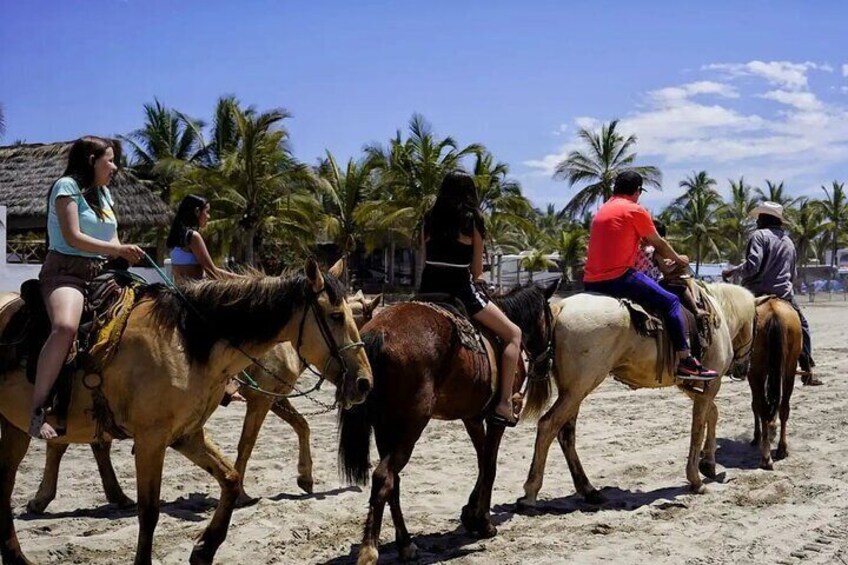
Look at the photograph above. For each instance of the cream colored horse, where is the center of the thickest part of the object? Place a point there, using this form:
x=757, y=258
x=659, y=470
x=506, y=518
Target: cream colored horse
x=169, y=374
x=276, y=375
x=594, y=339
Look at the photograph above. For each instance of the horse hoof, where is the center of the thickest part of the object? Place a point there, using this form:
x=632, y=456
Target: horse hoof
x=594, y=496
x=487, y=530
x=15, y=558
x=305, y=484
x=767, y=465
x=698, y=489
x=36, y=506
x=199, y=557
x=526, y=503
x=124, y=502
x=367, y=556
x=781, y=454
x=708, y=469
x=244, y=500
x=408, y=553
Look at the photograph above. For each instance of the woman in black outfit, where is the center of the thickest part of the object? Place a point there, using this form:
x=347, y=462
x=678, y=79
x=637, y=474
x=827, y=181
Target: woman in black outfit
x=453, y=236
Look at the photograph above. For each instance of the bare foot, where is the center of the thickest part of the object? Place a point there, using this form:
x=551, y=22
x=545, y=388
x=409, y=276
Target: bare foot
x=504, y=410
x=39, y=429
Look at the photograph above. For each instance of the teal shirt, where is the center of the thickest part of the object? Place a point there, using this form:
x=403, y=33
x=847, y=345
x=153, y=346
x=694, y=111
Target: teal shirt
x=89, y=223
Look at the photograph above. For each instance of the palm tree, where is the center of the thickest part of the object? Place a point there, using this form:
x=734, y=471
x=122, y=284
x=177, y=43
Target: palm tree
x=697, y=223
x=834, y=210
x=167, y=141
x=260, y=190
x=736, y=221
x=536, y=261
x=806, y=228
x=343, y=195
x=571, y=246
x=775, y=192
x=411, y=172
x=698, y=183
x=608, y=153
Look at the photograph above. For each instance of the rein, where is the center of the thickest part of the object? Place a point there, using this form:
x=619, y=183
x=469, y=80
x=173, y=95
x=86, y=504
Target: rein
x=335, y=351
x=545, y=358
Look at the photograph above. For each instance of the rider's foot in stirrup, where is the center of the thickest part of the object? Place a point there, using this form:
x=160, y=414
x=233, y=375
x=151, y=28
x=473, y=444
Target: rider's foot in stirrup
x=690, y=369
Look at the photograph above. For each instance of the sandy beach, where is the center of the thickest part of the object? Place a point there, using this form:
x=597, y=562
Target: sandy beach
x=633, y=443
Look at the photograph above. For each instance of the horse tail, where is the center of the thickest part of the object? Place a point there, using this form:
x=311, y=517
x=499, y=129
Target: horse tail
x=538, y=395
x=355, y=423
x=774, y=376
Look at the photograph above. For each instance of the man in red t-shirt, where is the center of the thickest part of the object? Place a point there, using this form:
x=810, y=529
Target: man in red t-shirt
x=617, y=229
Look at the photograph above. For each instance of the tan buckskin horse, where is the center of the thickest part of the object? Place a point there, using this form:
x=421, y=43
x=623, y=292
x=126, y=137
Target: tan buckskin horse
x=276, y=375
x=595, y=338
x=422, y=372
x=771, y=374
x=169, y=374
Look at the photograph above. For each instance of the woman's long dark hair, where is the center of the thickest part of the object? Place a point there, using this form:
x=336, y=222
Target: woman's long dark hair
x=456, y=210
x=185, y=220
x=84, y=152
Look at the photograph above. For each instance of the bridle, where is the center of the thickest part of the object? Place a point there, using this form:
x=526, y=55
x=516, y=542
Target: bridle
x=545, y=358
x=329, y=341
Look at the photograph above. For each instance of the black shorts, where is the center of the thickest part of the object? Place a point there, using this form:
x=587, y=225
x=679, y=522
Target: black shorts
x=454, y=281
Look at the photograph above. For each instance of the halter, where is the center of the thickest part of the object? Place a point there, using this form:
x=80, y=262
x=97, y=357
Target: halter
x=545, y=356
x=326, y=333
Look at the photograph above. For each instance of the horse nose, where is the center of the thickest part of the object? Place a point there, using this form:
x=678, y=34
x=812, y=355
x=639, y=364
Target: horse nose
x=363, y=385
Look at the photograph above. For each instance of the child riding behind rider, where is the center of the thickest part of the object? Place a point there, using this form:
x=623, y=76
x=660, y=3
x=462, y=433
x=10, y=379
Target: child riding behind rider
x=614, y=238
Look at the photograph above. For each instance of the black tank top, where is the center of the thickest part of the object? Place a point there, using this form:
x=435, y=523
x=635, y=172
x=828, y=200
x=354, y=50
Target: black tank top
x=445, y=251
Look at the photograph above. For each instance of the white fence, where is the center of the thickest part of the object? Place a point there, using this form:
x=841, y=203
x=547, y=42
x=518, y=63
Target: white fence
x=13, y=274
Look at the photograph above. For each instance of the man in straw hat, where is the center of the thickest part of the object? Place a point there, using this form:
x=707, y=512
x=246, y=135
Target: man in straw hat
x=769, y=268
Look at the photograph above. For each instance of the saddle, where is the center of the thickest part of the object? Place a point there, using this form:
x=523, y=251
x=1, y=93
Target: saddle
x=471, y=336
x=699, y=317
x=109, y=301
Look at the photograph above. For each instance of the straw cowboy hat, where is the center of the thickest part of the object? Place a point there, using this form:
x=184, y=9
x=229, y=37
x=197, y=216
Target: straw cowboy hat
x=770, y=209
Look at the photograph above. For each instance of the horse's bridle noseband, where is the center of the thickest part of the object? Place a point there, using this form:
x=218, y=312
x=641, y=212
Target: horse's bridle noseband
x=326, y=333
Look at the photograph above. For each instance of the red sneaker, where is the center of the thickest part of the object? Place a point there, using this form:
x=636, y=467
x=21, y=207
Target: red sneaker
x=690, y=369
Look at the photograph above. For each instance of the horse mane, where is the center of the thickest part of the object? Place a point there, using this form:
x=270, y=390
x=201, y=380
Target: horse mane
x=736, y=303
x=241, y=311
x=522, y=305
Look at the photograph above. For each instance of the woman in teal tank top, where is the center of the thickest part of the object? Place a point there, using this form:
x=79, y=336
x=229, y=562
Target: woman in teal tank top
x=82, y=232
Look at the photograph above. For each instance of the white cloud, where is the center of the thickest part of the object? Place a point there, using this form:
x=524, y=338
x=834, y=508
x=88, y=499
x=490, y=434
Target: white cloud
x=845, y=70
x=803, y=141
x=674, y=94
x=782, y=73
x=800, y=100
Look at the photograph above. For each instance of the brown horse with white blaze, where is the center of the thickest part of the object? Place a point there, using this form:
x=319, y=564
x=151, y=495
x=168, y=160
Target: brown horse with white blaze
x=422, y=372
x=169, y=374
x=771, y=375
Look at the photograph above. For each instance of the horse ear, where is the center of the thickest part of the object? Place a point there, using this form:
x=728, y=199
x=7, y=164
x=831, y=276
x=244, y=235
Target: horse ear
x=337, y=270
x=313, y=273
x=358, y=295
x=550, y=288
x=373, y=303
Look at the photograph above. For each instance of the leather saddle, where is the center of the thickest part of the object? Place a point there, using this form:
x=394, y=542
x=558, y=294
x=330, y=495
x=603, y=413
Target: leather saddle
x=109, y=300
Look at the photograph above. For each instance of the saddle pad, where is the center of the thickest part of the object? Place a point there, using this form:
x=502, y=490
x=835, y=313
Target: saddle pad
x=646, y=324
x=469, y=336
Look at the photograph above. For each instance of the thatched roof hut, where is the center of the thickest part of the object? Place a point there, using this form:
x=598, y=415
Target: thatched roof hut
x=27, y=171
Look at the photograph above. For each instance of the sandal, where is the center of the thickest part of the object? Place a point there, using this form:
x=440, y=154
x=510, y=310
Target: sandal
x=495, y=419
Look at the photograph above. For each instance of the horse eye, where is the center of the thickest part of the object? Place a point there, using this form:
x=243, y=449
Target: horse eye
x=337, y=316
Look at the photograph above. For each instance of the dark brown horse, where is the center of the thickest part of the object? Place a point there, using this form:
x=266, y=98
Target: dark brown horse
x=421, y=372
x=777, y=346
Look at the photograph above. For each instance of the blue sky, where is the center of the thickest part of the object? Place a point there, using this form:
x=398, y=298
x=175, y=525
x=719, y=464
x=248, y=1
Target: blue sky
x=756, y=88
